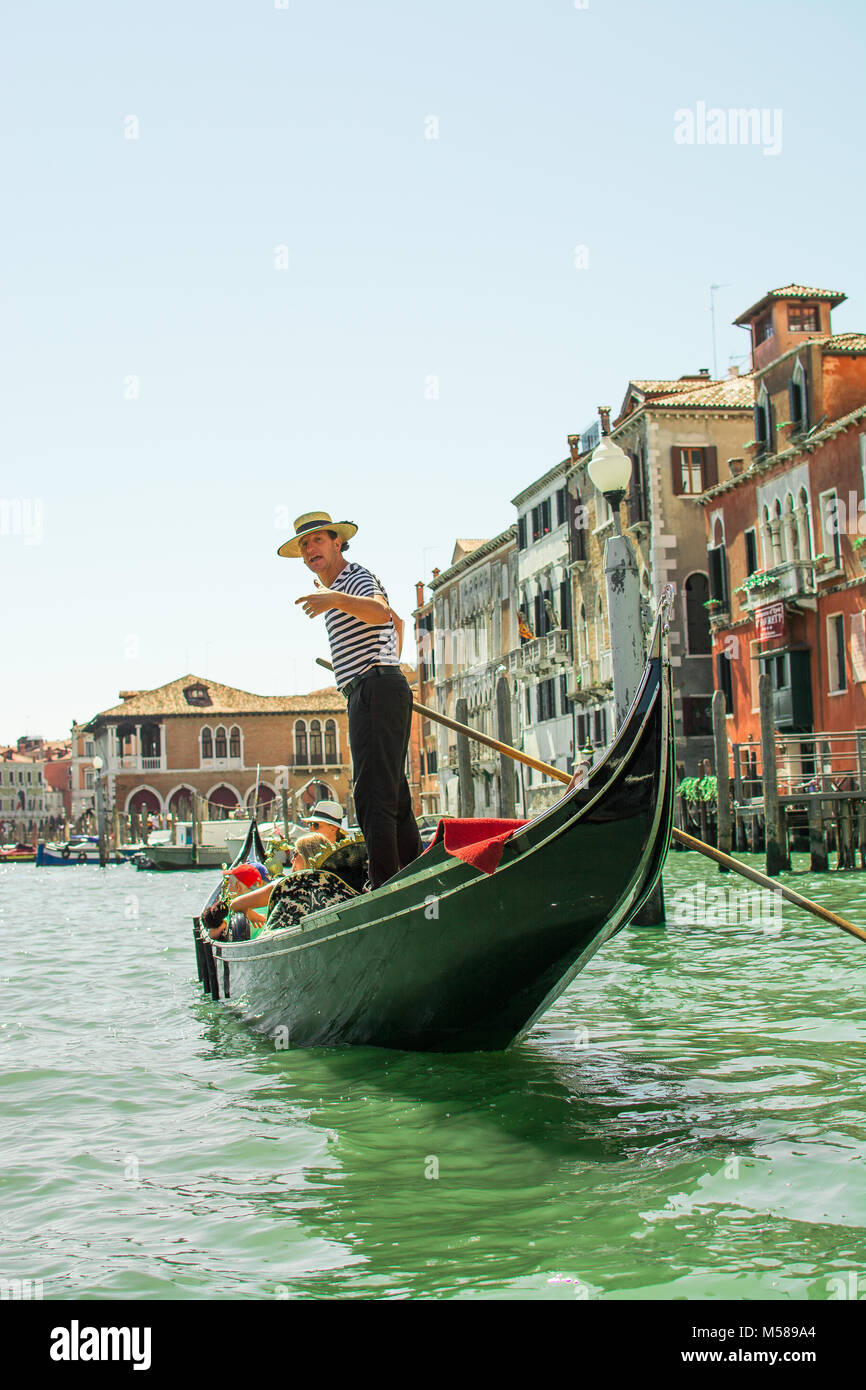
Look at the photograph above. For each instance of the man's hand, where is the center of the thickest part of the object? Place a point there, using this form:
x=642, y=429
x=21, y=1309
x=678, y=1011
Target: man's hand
x=314, y=604
x=368, y=610
x=255, y=919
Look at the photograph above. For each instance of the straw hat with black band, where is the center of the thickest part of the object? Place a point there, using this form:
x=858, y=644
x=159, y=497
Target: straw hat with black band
x=315, y=521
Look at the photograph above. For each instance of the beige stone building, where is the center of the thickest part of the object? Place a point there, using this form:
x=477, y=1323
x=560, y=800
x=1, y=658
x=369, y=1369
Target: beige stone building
x=22, y=792
x=682, y=437
x=474, y=627
x=540, y=661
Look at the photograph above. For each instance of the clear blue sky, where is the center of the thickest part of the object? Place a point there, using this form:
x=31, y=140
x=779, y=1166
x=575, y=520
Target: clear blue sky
x=266, y=391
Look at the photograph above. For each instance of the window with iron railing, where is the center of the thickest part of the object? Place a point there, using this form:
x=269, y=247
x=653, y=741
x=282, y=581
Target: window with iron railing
x=330, y=741
x=301, y=742
x=315, y=741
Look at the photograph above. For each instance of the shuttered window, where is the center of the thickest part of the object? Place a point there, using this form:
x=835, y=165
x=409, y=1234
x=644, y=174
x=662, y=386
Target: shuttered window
x=693, y=470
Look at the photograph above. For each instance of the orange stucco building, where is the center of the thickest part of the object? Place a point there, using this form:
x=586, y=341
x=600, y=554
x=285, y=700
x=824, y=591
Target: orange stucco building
x=786, y=534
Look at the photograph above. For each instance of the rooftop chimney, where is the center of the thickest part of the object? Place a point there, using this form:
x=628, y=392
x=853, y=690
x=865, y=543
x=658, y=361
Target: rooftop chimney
x=704, y=371
x=604, y=414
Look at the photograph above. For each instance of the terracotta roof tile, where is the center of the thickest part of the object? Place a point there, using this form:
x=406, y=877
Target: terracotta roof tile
x=697, y=392
x=221, y=699
x=845, y=342
x=666, y=388
x=791, y=292
x=735, y=392
x=805, y=292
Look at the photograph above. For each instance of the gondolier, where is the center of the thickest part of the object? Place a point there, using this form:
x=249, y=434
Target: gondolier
x=365, y=635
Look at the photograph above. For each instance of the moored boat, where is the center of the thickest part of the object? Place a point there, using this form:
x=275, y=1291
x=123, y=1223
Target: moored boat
x=80, y=849
x=447, y=957
x=182, y=857
x=17, y=854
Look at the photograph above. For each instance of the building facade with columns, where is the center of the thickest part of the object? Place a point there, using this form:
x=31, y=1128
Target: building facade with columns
x=540, y=663
x=82, y=786
x=427, y=729
x=474, y=627
x=682, y=436
x=160, y=747
x=786, y=537
x=22, y=792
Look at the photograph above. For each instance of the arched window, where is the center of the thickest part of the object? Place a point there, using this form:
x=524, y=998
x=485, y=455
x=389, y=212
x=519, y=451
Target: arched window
x=206, y=743
x=698, y=635
x=799, y=400
x=330, y=741
x=584, y=634
x=301, y=742
x=220, y=743
x=763, y=422
x=718, y=562
x=235, y=742
x=315, y=741
x=804, y=524
x=792, y=540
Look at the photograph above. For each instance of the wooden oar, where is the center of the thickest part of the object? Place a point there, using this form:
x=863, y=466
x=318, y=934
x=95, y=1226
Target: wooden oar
x=727, y=862
x=687, y=841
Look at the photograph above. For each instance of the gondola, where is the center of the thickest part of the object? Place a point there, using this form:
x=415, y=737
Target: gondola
x=446, y=957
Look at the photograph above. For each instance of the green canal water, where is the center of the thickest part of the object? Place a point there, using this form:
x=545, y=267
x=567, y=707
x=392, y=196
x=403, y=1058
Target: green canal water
x=688, y=1122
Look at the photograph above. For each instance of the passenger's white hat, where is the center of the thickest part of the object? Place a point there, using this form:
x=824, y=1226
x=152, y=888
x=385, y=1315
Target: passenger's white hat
x=330, y=811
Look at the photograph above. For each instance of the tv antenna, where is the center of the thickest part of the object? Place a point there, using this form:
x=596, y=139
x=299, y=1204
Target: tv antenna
x=713, y=289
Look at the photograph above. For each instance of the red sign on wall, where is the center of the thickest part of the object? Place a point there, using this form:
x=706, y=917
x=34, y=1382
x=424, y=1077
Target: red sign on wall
x=770, y=621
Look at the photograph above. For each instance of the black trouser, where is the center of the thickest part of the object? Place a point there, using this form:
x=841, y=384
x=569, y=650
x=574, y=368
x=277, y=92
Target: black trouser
x=380, y=718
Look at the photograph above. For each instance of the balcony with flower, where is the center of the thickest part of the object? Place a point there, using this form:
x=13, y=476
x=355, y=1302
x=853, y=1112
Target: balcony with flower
x=793, y=579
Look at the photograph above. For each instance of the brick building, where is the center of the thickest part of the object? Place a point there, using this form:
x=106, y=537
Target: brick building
x=161, y=746
x=786, y=535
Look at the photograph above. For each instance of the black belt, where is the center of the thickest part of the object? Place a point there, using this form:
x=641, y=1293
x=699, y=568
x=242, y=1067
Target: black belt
x=347, y=689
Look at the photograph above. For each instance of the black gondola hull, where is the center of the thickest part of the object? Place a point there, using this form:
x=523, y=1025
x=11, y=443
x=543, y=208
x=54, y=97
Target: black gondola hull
x=446, y=958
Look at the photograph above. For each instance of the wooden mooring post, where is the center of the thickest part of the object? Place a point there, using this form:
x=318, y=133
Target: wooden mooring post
x=818, y=858
x=723, y=781
x=775, y=842
x=466, y=790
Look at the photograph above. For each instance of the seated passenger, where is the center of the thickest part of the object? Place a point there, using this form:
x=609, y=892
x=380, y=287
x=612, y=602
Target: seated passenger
x=326, y=818
x=307, y=849
x=245, y=890
x=223, y=925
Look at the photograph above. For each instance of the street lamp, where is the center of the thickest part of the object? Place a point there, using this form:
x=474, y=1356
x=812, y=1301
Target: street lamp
x=98, y=765
x=610, y=471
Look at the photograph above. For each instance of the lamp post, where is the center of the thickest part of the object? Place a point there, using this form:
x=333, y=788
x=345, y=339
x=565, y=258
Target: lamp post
x=100, y=812
x=610, y=471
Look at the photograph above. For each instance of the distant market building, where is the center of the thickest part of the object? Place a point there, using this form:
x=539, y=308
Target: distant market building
x=194, y=735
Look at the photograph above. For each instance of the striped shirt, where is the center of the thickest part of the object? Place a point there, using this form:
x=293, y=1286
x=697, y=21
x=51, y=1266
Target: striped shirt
x=357, y=646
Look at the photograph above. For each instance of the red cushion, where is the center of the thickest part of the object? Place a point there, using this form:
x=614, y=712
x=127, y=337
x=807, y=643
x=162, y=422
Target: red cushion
x=477, y=842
